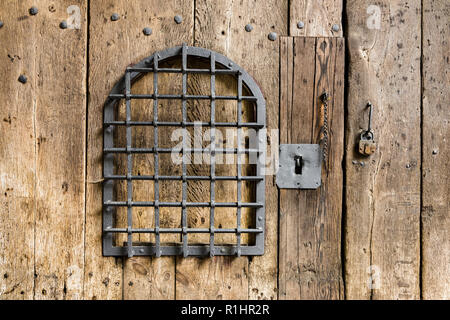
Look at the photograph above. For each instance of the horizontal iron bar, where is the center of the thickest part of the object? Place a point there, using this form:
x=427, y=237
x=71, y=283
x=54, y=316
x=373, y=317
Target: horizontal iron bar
x=170, y=150
x=179, y=70
x=188, y=124
x=180, y=204
x=178, y=96
x=232, y=178
x=180, y=230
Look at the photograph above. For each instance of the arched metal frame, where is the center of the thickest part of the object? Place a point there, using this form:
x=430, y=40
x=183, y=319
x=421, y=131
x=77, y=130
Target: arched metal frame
x=122, y=90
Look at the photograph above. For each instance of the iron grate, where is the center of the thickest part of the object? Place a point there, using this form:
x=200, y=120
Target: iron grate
x=122, y=91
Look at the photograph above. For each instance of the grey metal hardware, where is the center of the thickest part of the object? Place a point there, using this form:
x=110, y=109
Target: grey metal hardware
x=178, y=19
x=33, y=11
x=115, y=17
x=22, y=79
x=147, y=31
x=273, y=36
x=219, y=64
x=300, y=166
x=367, y=145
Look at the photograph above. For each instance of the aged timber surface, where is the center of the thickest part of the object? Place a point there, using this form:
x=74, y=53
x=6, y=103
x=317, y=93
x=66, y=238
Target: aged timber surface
x=310, y=220
x=382, y=225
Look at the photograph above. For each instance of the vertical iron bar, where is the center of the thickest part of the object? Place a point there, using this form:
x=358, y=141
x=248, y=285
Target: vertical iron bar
x=212, y=155
x=184, y=187
x=129, y=164
x=239, y=163
x=156, y=162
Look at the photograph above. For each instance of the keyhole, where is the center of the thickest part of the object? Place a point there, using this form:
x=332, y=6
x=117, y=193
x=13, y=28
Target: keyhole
x=298, y=164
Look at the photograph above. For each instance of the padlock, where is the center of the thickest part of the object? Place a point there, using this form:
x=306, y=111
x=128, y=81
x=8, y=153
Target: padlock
x=367, y=145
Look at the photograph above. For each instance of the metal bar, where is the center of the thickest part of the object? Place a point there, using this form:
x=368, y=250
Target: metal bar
x=179, y=230
x=178, y=97
x=123, y=91
x=170, y=150
x=155, y=158
x=178, y=70
x=188, y=124
x=186, y=204
x=129, y=166
x=228, y=178
x=184, y=186
x=212, y=186
x=239, y=165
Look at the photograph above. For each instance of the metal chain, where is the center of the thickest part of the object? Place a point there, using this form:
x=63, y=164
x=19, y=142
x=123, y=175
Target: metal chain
x=325, y=97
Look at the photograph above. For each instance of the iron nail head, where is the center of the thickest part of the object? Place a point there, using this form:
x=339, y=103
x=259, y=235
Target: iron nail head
x=115, y=17
x=1, y=24
x=273, y=36
x=178, y=19
x=147, y=31
x=300, y=24
x=335, y=28
x=63, y=25
x=22, y=79
x=33, y=11
x=248, y=27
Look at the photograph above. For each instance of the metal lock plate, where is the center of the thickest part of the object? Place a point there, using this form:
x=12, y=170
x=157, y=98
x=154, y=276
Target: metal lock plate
x=367, y=145
x=300, y=166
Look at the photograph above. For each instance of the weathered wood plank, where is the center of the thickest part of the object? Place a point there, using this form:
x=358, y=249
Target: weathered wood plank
x=60, y=124
x=435, y=151
x=220, y=27
x=318, y=17
x=113, y=46
x=382, y=236
x=310, y=220
x=17, y=151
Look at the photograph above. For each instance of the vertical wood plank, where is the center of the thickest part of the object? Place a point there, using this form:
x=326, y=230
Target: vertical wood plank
x=435, y=152
x=382, y=235
x=318, y=17
x=60, y=111
x=220, y=27
x=114, y=46
x=310, y=220
x=17, y=151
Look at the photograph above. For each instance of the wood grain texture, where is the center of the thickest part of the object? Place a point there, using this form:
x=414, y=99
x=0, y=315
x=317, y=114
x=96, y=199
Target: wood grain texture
x=60, y=125
x=114, y=46
x=220, y=27
x=318, y=17
x=17, y=152
x=435, y=151
x=310, y=220
x=382, y=233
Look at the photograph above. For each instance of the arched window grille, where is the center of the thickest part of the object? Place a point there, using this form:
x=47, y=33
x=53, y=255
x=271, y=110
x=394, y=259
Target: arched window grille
x=246, y=91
